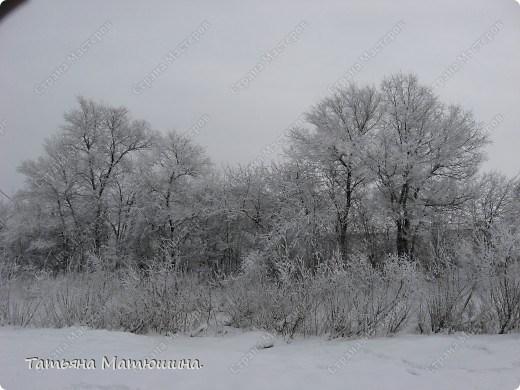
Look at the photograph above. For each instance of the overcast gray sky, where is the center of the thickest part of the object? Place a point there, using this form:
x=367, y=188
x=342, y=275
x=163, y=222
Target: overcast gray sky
x=37, y=37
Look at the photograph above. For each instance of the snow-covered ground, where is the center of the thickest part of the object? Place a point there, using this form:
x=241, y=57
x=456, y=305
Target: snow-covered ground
x=239, y=361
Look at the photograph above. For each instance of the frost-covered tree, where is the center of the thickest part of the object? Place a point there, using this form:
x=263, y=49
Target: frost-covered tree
x=103, y=139
x=78, y=186
x=52, y=201
x=397, y=146
x=494, y=199
x=335, y=147
x=424, y=151
x=243, y=211
x=167, y=207
x=302, y=225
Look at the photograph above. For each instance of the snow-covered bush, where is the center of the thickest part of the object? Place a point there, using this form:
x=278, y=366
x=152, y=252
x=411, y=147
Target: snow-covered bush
x=162, y=300
x=361, y=300
x=337, y=299
x=283, y=304
x=497, y=258
x=478, y=290
x=445, y=304
x=22, y=298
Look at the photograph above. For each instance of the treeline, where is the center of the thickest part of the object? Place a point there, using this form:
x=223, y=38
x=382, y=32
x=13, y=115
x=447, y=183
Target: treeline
x=375, y=171
x=377, y=220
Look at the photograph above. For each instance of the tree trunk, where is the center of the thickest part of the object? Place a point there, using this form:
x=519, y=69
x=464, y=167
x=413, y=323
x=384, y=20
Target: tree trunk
x=403, y=239
x=97, y=231
x=343, y=240
x=343, y=219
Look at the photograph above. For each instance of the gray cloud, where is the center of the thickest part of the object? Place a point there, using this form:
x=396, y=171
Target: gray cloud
x=37, y=37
